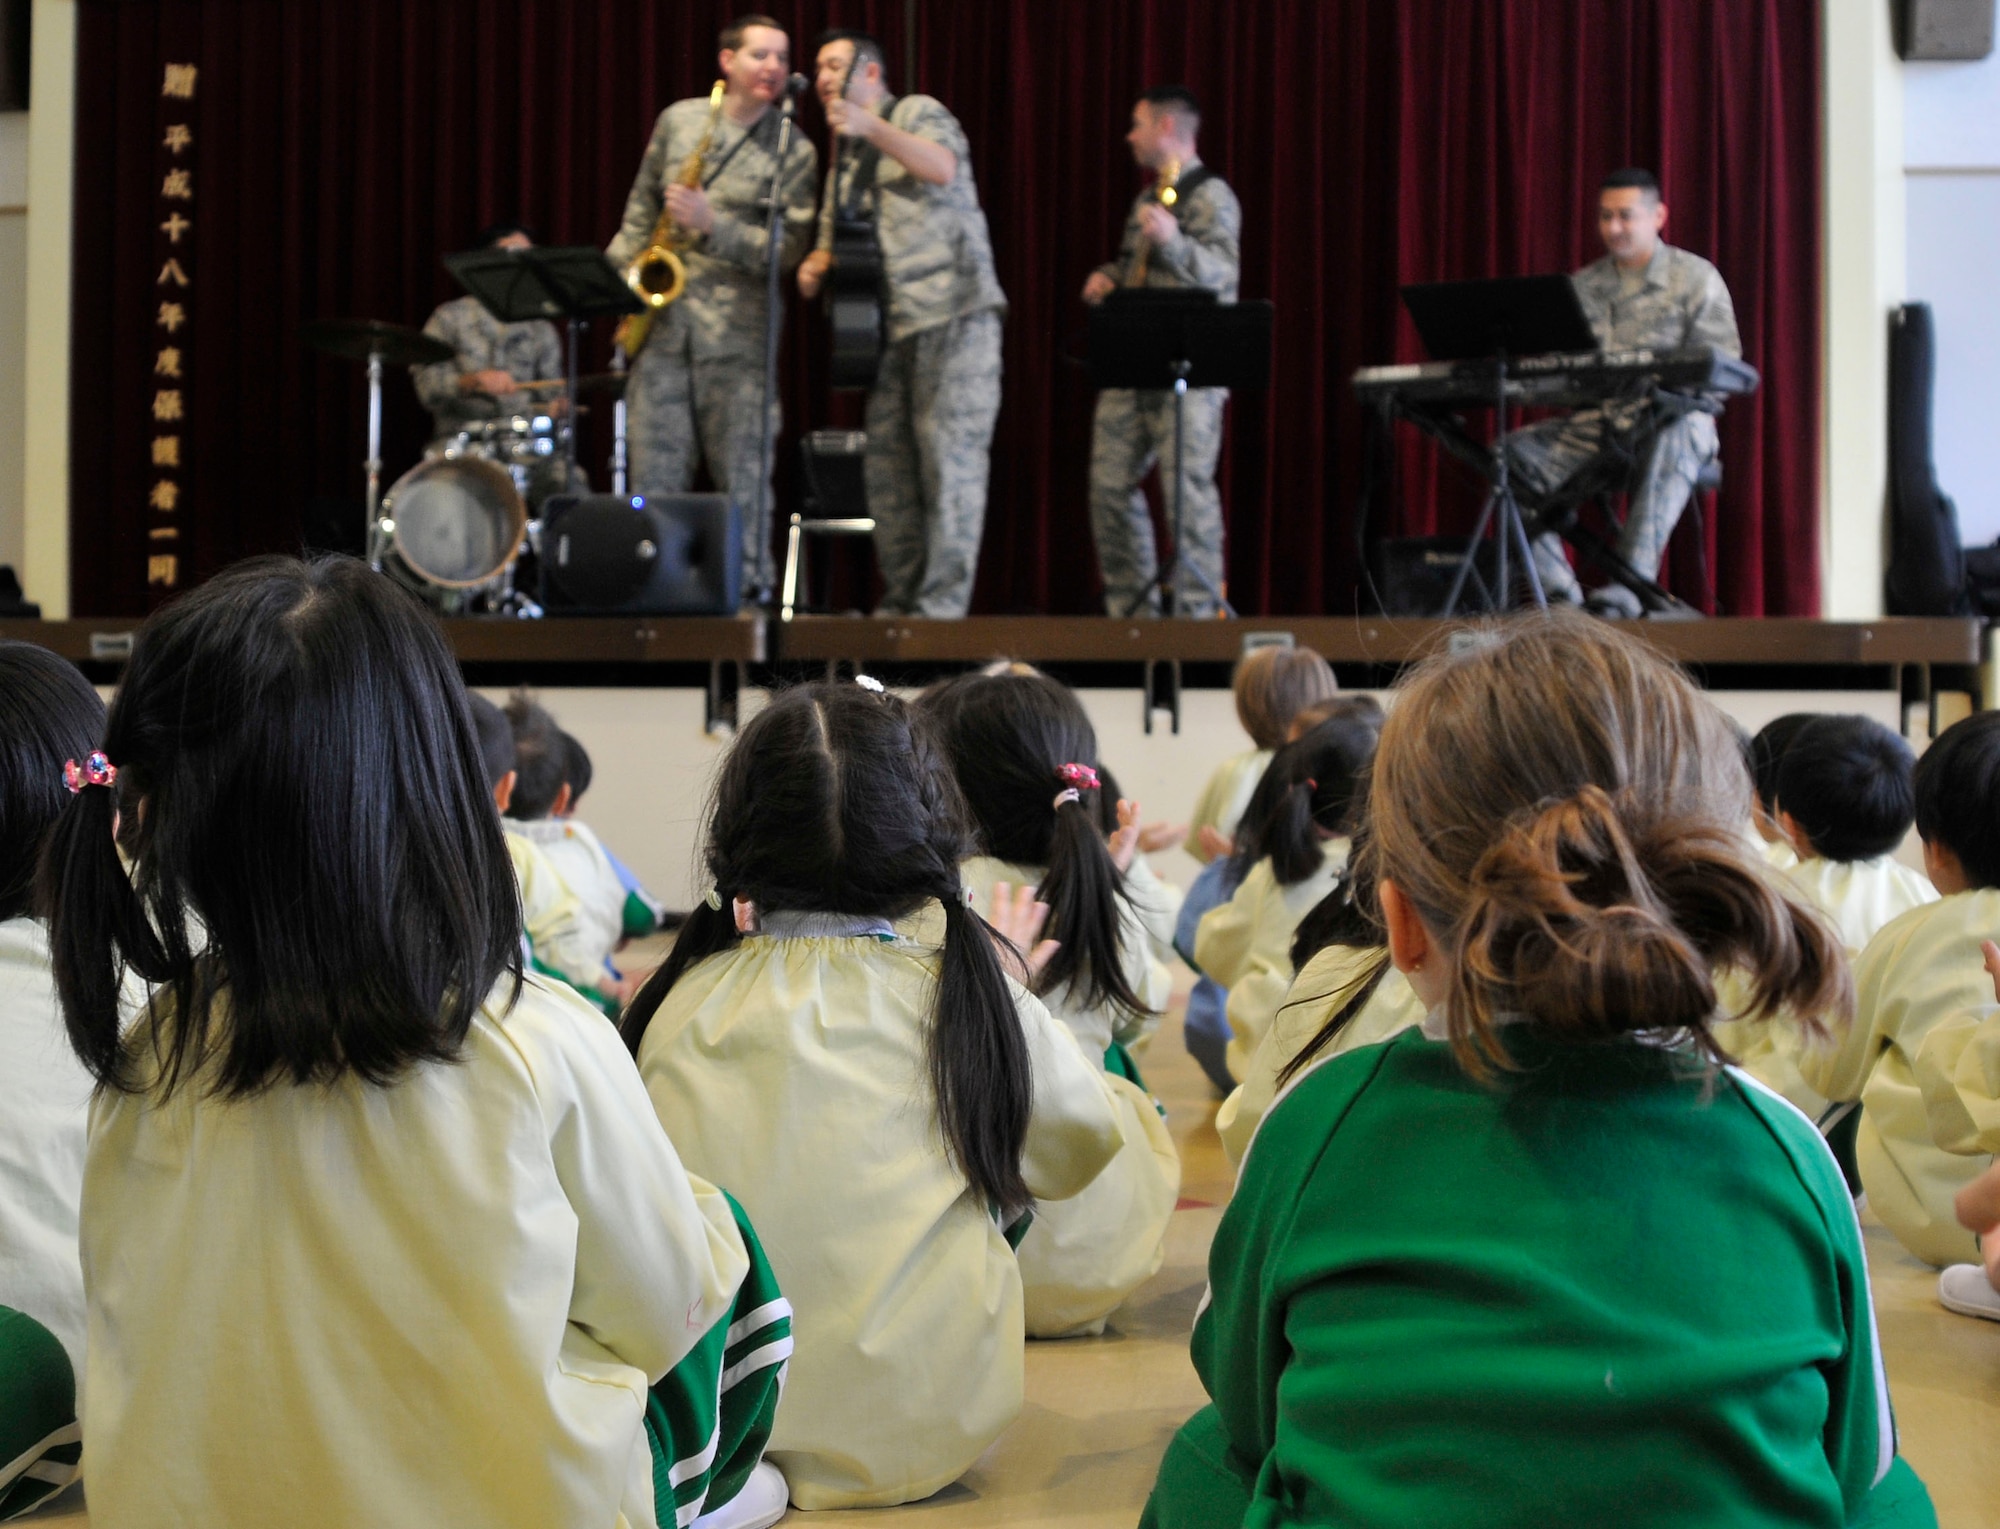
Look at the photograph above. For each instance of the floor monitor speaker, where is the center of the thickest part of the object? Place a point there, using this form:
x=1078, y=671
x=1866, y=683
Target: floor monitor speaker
x=664, y=555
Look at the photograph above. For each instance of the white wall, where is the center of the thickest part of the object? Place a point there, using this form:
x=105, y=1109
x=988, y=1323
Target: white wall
x=13, y=329
x=1951, y=161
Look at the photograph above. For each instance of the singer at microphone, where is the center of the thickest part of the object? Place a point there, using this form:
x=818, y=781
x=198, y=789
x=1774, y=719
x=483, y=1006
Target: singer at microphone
x=695, y=382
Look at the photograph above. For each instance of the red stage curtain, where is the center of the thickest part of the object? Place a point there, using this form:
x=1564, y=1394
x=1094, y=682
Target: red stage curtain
x=342, y=148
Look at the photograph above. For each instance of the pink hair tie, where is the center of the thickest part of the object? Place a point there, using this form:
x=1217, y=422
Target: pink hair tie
x=1079, y=775
x=95, y=770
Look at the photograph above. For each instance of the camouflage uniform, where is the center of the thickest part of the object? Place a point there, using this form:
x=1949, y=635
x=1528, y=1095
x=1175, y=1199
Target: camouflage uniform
x=695, y=384
x=528, y=350
x=1678, y=300
x=931, y=412
x=1133, y=430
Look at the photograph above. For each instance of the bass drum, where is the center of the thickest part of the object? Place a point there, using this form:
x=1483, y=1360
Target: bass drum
x=459, y=521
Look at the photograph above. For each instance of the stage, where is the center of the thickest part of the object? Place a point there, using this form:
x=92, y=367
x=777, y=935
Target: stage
x=1915, y=657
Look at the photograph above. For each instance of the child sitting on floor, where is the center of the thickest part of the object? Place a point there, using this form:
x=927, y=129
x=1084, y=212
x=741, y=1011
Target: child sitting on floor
x=1453, y=1285
x=49, y=717
x=1766, y=757
x=1272, y=686
x=1920, y=970
x=377, y=1229
x=553, y=921
x=1956, y=1068
x=835, y=1038
x=642, y=913
x=1025, y=757
x=1846, y=799
x=1297, y=853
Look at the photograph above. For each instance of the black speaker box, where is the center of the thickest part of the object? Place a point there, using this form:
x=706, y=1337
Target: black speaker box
x=1944, y=29
x=16, y=35
x=1413, y=574
x=670, y=555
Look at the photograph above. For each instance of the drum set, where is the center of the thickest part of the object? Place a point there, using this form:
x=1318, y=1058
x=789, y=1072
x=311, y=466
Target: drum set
x=458, y=528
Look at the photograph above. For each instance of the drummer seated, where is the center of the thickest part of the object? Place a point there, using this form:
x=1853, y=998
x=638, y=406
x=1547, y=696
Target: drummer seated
x=497, y=372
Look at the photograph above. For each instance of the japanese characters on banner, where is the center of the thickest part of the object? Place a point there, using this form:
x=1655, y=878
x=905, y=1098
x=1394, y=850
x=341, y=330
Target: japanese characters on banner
x=174, y=299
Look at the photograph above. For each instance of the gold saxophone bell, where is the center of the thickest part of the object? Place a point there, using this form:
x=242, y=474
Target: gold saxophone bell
x=1166, y=192
x=657, y=275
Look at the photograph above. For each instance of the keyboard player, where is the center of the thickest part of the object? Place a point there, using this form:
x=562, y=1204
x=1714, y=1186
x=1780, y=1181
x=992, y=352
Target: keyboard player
x=1643, y=294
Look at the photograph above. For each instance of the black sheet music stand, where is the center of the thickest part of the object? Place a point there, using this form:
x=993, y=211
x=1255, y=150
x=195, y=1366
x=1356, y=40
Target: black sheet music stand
x=1159, y=338
x=1495, y=320
x=575, y=283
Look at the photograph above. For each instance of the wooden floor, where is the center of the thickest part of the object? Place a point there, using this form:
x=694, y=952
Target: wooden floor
x=1101, y=1410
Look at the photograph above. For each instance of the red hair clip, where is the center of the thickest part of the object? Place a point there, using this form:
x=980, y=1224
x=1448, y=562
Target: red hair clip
x=95, y=770
x=1080, y=776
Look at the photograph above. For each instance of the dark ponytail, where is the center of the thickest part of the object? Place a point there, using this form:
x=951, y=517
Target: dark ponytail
x=833, y=800
x=1346, y=916
x=1009, y=738
x=1310, y=787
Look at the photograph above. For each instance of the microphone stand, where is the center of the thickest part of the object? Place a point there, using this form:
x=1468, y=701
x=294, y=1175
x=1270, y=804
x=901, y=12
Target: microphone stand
x=773, y=254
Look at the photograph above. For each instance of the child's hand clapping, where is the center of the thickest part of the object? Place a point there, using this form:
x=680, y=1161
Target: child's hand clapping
x=1017, y=920
x=1124, y=843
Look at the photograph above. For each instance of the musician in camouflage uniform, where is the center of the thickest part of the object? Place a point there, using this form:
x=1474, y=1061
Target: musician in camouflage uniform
x=1644, y=294
x=931, y=411
x=482, y=380
x=694, y=386
x=1194, y=245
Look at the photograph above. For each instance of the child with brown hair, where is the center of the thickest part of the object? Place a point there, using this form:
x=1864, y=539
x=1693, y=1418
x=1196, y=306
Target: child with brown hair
x=1543, y=1260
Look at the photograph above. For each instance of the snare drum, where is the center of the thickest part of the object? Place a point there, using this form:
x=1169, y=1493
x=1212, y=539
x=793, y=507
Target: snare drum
x=458, y=521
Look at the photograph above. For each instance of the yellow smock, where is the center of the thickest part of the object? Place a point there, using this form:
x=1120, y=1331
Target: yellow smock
x=795, y=1073
x=1920, y=971
x=438, y=1302
x=554, y=920
x=1324, y=984
x=44, y=1121
x=585, y=871
x=1085, y=1255
x=1858, y=898
x=1221, y=803
x=1245, y=945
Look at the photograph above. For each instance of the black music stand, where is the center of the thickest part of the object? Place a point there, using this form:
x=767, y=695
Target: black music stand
x=1496, y=320
x=1160, y=338
x=575, y=283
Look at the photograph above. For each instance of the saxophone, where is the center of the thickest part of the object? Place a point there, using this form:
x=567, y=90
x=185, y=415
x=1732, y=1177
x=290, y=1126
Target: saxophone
x=1166, y=195
x=657, y=275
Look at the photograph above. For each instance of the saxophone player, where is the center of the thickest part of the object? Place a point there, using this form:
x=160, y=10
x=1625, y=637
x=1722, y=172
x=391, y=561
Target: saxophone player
x=1195, y=244
x=695, y=382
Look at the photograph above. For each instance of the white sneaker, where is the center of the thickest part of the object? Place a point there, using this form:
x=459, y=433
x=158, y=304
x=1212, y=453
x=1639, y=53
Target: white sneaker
x=1964, y=1288
x=763, y=1500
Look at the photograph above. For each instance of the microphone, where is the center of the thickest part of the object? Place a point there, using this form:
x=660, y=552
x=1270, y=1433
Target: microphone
x=794, y=88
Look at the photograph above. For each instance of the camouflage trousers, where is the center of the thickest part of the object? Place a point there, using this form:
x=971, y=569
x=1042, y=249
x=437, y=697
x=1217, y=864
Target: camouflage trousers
x=1664, y=468
x=930, y=434
x=680, y=409
x=1132, y=431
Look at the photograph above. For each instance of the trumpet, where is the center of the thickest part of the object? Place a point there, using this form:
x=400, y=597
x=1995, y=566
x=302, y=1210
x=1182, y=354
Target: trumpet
x=657, y=275
x=1166, y=194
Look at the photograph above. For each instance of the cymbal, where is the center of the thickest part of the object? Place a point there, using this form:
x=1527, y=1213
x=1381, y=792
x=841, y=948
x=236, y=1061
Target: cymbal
x=358, y=339
x=590, y=385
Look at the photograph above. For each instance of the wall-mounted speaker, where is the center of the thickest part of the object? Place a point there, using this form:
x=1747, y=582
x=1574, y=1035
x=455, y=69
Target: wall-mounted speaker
x=1944, y=29
x=668, y=555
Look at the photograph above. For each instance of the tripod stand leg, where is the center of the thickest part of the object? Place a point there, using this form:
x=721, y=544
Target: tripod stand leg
x=1466, y=564
x=1511, y=514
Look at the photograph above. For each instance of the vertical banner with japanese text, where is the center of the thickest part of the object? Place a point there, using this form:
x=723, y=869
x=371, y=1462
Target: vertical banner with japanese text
x=166, y=495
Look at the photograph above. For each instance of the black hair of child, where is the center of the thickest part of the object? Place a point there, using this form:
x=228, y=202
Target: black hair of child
x=1310, y=787
x=1958, y=795
x=540, y=758
x=1008, y=737
x=318, y=880
x=49, y=715
x=1767, y=753
x=1348, y=915
x=1846, y=781
x=577, y=771
x=496, y=738
x=834, y=799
